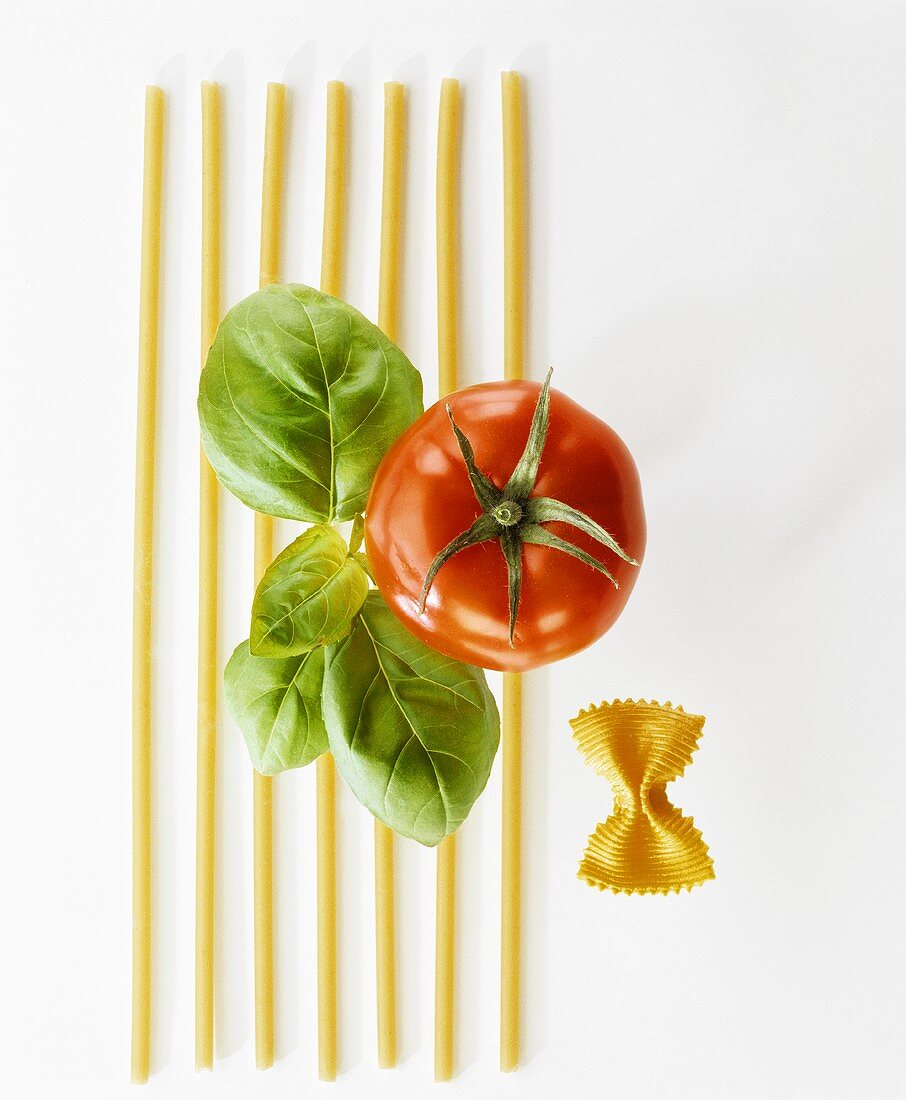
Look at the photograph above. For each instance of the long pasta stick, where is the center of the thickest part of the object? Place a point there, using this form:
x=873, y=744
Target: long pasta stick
x=447, y=360
x=388, y=320
x=331, y=283
x=145, y=449
x=262, y=786
x=514, y=348
x=207, y=598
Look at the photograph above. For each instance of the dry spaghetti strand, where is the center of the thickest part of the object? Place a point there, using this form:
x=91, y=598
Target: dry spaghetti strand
x=142, y=607
x=448, y=139
x=514, y=285
x=388, y=320
x=331, y=283
x=208, y=566
x=262, y=785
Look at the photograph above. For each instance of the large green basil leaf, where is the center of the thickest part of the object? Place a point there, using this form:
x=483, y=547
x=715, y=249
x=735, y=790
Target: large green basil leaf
x=277, y=705
x=413, y=733
x=308, y=596
x=299, y=399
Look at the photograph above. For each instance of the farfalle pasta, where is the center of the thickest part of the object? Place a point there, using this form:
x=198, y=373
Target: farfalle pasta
x=647, y=845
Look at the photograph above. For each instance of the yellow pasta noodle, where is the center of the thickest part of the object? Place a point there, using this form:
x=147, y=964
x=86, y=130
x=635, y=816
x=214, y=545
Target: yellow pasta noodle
x=262, y=792
x=325, y=770
x=143, y=575
x=647, y=845
x=514, y=299
x=208, y=672
x=448, y=141
x=388, y=320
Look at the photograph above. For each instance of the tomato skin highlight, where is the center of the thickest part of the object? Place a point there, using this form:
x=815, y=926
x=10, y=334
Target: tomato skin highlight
x=421, y=498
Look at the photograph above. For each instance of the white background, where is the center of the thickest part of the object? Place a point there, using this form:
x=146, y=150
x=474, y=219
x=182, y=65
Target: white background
x=718, y=191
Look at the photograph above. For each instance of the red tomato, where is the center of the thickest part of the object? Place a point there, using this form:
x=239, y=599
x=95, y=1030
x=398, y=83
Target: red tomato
x=422, y=498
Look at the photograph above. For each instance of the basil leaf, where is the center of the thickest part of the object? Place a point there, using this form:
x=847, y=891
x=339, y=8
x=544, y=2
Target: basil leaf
x=277, y=705
x=308, y=596
x=413, y=733
x=299, y=399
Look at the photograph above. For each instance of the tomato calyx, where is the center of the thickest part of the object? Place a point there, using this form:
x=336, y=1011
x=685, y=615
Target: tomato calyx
x=513, y=516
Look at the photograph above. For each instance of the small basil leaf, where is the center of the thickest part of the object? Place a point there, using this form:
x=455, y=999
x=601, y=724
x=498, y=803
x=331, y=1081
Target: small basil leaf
x=308, y=596
x=357, y=534
x=277, y=705
x=299, y=399
x=413, y=733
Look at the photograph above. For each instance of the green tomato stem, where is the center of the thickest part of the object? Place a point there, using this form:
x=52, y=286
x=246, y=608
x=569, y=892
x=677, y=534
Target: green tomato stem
x=513, y=516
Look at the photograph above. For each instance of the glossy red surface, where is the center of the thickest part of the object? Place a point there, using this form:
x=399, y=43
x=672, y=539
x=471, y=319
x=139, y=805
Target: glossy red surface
x=422, y=498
